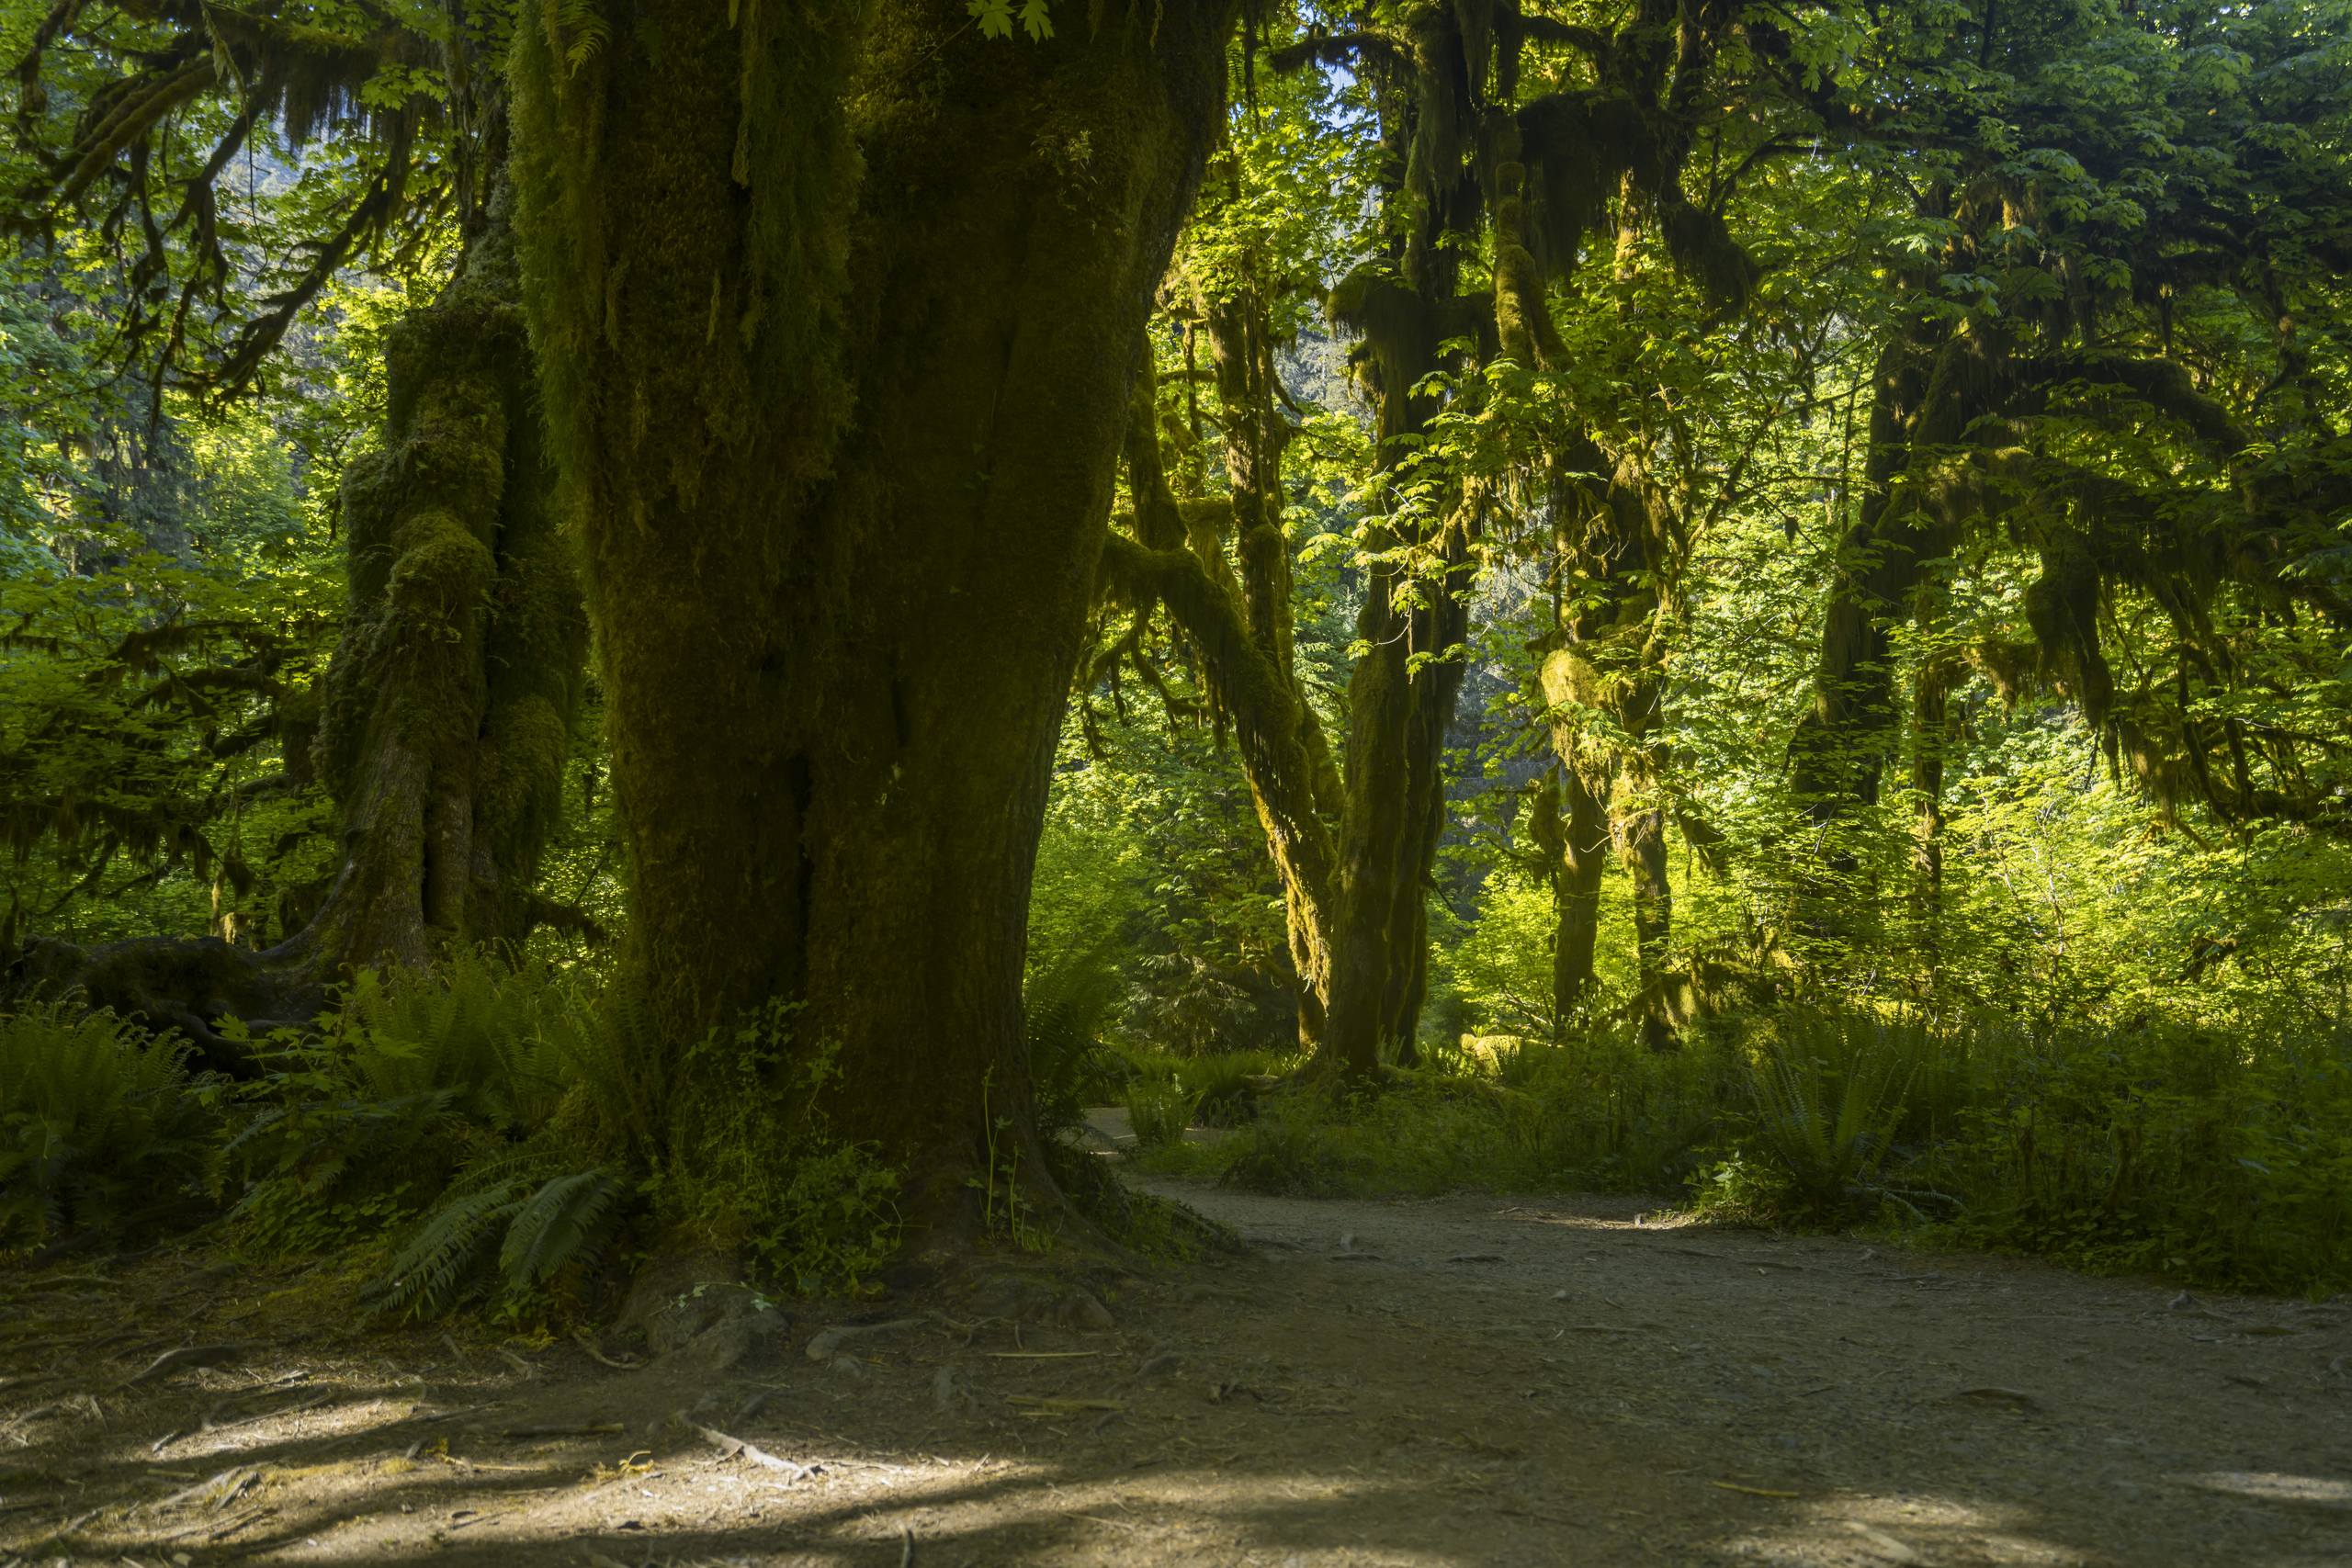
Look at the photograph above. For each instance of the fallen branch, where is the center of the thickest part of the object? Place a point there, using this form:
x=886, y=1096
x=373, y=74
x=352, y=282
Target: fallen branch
x=736, y=1448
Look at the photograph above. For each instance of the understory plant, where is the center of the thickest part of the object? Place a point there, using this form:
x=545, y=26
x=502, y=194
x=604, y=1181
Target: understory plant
x=101, y=1124
x=2220, y=1157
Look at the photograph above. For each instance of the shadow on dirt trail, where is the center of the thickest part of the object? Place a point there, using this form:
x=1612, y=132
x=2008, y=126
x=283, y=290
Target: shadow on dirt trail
x=1455, y=1381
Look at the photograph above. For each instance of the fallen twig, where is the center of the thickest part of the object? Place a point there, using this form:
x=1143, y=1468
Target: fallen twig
x=733, y=1447
x=186, y=1358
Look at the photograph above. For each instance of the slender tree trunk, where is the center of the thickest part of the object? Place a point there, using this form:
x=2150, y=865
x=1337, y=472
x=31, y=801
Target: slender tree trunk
x=841, y=535
x=1640, y=831
x=1241, y=355
x=1577, y=846
x=1397, y=718
x=1929, y=387
x=1932, y=736
x=1839, y=748
x=1617, y=544
x=1354, y=861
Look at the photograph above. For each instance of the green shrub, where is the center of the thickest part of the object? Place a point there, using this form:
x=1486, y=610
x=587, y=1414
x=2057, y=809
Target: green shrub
x=753, y=1166
x=1827, y=1098
x=1072, y=993
x=2221, y=1156
x=1158, y=1112
x=100, y=1124
x=515, y=1223
x=471, y=1028
x=2216, y=1156
x=1224, y=1088
x=416, y=1075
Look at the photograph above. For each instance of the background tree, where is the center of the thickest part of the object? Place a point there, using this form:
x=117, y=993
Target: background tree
x=442, y=725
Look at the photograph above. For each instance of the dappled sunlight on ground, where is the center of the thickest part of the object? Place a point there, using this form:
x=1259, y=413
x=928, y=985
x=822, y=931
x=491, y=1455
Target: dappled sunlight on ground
x=1452, y=1382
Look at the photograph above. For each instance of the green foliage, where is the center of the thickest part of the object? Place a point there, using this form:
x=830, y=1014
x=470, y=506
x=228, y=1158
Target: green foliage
x=1151, y=849
x=1073, y=992
x=1598, y=1113
x=2215, y=1154
x=1224, y=1088
x=100, y=1126
x=2217, y=1157
x=472, y=1029
x=1159, y=1110
x=752, y=1166
x=413, y=1077
x=1829, y=1094
x=510, y=1222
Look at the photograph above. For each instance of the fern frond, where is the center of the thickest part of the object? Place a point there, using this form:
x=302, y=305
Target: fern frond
x=560, y=1223
x=432, y=1273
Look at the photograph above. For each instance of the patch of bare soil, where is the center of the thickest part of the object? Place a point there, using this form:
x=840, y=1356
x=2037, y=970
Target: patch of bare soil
x=1464, y=1380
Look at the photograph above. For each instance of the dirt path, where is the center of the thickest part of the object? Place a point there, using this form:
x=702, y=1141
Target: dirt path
x=1465, y=1380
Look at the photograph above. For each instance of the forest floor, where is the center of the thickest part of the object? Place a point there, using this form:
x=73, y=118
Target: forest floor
x=1468, y=1380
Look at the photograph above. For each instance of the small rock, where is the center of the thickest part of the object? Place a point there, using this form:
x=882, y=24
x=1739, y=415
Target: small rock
x=951, y=1394
x=732, y=1341
x=1025, y=1295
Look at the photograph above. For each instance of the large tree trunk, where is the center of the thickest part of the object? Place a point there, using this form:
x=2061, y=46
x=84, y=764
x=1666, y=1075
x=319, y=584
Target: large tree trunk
x=842, y=536
x=445, y=714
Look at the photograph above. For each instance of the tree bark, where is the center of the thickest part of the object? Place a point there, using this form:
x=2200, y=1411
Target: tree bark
x=1241, y=355
x=842, y=452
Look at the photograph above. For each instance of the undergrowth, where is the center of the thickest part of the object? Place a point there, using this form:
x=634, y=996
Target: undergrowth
x=100, y=1126
x=491, y=1134
x=2221, y=1157
x=483, y=1133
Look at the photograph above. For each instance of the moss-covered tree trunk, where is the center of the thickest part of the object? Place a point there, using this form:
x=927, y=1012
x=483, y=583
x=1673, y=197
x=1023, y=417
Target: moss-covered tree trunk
x=1353, y=852
x=443, y=719
x=838, y=312
x=1241, y=627
x=1929, y=386
x=1401, y=697
x=1241, y=357
x=1571, y=829
x=1839, y=749
x=445, y=716
x=1602, y=681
